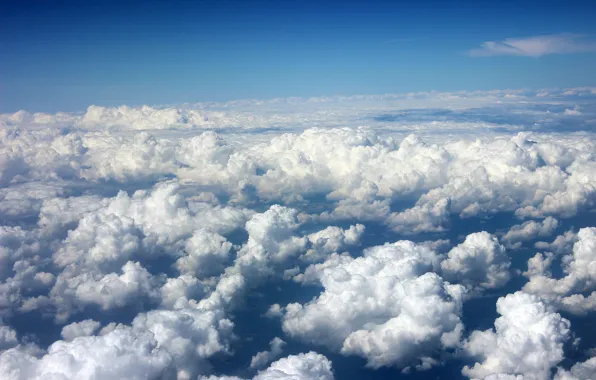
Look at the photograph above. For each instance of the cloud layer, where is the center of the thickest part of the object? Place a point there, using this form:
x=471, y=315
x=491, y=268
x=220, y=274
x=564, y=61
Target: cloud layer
x=234, y=241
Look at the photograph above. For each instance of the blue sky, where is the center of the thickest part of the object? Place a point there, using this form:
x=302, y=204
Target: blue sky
x=65, y=55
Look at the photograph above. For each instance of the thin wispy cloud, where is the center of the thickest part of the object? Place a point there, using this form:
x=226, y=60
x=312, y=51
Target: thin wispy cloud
x=537, y=46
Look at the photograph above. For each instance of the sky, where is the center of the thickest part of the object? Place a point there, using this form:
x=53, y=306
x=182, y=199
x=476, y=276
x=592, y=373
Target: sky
x=66, y=55
x=227, y=190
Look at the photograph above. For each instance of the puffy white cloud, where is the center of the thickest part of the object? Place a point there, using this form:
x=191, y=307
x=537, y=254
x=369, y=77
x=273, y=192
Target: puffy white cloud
x=206, y=254
x=274, y=311
x=190, y=334
x=429, y=217
x=302, y=366
x=74, y=330
x=182, y=289
x=271, y=239
x=109, y=291
x=181, y=222
x=97, y=255
x=580, y=371
x=144, y=117
x=568, y=292
x=480, y=262
x=264, y=357
x=130, y=354
x=529, y=231
x=59, y=214
x=561, y=244
x=527, y=340
x=42, y=154
x=8, y=337
x=306, y=366
x=332, y=239
x=141, y=157
x=503, y=376
x=386, y=306
x=273, y=245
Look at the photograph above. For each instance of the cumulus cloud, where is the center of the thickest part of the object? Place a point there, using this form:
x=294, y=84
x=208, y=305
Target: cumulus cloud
x=140, y=118
x=207, y=252
x=527, y=340
x=264, y=357
x=561, y=244
x=74, y=330
x=537, y=46
x=189, y=333
x=575, y=291
x=302, y=366
x=308, y=366
x=580, y=371
x=386, y=306
x=8, y=338
x=528, y=231
x=132, y=355
x=480, y=262
x=152, y=229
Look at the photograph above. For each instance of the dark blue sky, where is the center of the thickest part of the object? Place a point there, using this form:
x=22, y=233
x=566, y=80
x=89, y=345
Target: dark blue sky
x=65, y=55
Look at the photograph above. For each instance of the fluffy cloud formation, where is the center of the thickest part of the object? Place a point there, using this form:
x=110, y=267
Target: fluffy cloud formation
x=575, y=291
x=480, y=262
x=359, y=172
x=264, y=357
x=527, y=340
x=386, y=306
x=536, y=46
x=303, y=366
x=74, y=330
x=189, y=333
x=140, y=118
x=580, y=371
x=308, y=366
x=130, y=355
x=8, y=338
x=150, y=237
x=529, y=231
x=561, y=244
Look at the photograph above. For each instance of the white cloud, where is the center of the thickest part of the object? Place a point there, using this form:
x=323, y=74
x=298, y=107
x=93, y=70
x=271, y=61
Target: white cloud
x=302, y=366
x=580, y=371
x=332, y=239
x=274, y=311
x=130, y=354
x=109, y=291
x=140, y=118
x=537, y=46
x=190, y=334
x=527, y=340
x=8, y=338
x=264, y=357
x=529, y=230
x=573, y=112
x=575, y=291
x=206, y=254
x=187, y=224
x=480, y=262
x=308, y=366
x=561, y=244
x=74, y=330
x=386, y=306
